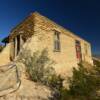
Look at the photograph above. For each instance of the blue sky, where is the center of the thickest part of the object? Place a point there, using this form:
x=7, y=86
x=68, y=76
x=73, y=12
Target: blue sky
x=80, y=16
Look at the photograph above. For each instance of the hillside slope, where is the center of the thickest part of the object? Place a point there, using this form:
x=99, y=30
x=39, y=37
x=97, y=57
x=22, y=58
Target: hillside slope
x=26, y=90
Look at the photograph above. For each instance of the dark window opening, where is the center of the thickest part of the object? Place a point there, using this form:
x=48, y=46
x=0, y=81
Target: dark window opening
x=18, y=44
x=57, y=46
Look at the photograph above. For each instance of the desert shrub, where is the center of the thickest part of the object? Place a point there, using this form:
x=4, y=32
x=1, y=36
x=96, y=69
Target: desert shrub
x=97, y=63
x=38, y=66
x=97, y=67
x=39, y=69
x=96, y=74
x=83, y=83
x=56, y=83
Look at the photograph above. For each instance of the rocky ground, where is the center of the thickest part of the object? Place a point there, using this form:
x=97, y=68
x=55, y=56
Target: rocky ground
x=29, y=91
x=26, y=90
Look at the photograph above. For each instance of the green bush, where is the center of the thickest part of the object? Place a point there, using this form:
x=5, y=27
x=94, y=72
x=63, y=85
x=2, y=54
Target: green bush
x=83, y=83
x=38, y=66
x=82, y=86
x=96, y=73
x=56, y=82
x=97, y=67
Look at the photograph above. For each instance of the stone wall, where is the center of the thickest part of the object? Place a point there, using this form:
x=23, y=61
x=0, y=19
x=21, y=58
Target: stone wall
x=66, y=58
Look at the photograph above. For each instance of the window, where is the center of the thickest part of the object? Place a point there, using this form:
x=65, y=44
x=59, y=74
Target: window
x=78, y=50
x=57, y=41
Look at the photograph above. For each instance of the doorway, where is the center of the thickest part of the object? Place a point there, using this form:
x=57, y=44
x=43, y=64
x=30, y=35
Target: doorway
x=18, y=44
x=78, y=51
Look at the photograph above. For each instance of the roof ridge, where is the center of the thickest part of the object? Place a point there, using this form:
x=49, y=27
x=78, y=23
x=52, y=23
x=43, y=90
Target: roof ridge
x=71, y=33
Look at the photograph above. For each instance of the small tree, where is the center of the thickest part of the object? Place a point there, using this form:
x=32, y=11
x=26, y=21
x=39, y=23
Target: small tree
x=96, y=73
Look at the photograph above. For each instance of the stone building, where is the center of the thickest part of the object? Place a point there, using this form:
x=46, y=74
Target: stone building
x=37, y=32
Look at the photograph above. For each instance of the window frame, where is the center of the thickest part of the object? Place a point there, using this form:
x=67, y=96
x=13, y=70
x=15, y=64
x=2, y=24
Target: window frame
x=57, y=44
